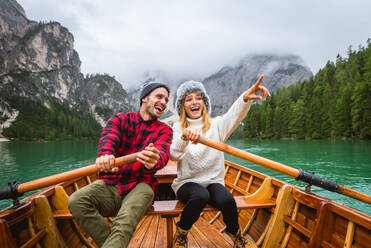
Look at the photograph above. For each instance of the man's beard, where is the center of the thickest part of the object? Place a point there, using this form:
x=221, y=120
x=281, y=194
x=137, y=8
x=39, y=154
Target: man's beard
x=148, y=111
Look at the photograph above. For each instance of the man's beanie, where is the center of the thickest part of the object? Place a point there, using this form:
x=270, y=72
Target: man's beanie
x=149, y=87
x=191, y=87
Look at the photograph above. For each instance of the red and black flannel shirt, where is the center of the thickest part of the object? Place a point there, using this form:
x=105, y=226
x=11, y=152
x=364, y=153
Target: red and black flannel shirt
x=128, y=133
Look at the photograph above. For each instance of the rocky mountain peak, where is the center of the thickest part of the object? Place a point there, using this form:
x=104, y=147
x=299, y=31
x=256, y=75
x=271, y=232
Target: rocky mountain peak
x=38, y=62
x=229, y=82
x=105, y=96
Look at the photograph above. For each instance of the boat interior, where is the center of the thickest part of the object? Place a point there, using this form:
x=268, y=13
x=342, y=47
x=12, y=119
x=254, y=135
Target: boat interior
x=272, y=213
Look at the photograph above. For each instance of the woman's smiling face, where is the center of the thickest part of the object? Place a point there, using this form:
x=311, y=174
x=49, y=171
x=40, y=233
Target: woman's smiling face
x=193, y=105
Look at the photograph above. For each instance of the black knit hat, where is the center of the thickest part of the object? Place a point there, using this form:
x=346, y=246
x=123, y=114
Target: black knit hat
x=151, y=86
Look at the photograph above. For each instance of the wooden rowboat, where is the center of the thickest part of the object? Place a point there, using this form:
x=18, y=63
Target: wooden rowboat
x=272, y=213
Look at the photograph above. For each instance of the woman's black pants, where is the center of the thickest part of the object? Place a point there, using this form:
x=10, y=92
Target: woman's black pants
x=195, y=197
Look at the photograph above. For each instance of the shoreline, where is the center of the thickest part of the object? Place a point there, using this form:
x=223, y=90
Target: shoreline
x=3, y=139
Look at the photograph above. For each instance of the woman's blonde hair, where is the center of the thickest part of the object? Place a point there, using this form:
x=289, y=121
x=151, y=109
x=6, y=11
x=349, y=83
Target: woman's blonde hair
x=206, y=121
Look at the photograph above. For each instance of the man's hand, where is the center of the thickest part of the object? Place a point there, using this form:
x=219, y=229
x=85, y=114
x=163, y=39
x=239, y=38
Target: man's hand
x=149, y=156
x=106, y=163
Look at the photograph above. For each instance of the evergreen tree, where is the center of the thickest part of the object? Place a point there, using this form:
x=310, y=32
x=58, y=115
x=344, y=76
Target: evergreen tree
x=361, y=110
x=297, y=119
x=335, y=102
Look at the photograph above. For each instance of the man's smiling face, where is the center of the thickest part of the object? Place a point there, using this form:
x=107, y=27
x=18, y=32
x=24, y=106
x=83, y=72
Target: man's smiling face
x=155, y=104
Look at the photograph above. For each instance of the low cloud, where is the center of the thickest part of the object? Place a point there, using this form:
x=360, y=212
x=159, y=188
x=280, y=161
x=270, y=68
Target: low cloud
x=192, y=39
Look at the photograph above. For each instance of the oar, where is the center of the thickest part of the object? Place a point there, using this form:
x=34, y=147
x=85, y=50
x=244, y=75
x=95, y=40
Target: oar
x=292, y=172
x=14, y=190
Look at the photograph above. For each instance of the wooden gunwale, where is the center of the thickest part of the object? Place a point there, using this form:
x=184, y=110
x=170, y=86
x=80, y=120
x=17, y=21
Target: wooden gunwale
x=354, y=216
x=13, y=216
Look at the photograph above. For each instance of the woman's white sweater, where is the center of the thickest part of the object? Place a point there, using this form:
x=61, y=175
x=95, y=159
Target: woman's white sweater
x=199, y=163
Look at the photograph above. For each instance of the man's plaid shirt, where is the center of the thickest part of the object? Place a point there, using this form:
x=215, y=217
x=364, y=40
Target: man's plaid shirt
x=128, y=133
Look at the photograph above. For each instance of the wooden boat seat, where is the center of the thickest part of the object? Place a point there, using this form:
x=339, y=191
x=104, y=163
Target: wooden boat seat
x=62, y=214
x=175, y=207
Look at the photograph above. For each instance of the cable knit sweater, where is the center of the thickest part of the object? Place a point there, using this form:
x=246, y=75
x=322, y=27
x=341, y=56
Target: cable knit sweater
x=199, y=163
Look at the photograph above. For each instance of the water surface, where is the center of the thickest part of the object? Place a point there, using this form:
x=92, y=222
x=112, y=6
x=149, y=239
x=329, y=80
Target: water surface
x=346, y=162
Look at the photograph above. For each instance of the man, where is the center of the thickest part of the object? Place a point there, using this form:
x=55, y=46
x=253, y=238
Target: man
x=126, y=192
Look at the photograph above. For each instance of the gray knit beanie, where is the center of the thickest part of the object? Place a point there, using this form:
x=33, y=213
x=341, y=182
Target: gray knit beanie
x=149, y=87
x=190, y=87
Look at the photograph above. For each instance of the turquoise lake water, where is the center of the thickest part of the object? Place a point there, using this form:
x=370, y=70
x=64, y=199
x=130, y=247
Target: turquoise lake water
x=347, y=163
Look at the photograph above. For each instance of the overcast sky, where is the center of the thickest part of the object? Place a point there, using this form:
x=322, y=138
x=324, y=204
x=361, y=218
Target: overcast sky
x=193, y=39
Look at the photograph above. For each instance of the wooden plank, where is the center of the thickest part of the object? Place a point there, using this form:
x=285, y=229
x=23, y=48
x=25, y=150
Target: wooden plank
x=88, y=179
x=161, y=234
x=297, y=226
x=60, y=198
x=32, y=230
x=151, y=233
x=259, y=224
x=234, y=187
x=285, y=204
x=35, y=239
x=43, y=218
x=81, y=235
x=361, y=237
x=218, y=224
x=287, y=236
x=337, y=240
x=13, y=216
x=192, y=242
x=340, y=228
x=168, y=173
x=246, y=170
x=307, y=199
x=249, y=223
x=6, y=237
x=323, y=224
x=210, y=235
x=352, y=215
x=249, y=184
x=140, y=231
x=169, y=231
x=61, y=214
x=350, y=234
x=326, y=244
x=246, y=203
x=201, y=238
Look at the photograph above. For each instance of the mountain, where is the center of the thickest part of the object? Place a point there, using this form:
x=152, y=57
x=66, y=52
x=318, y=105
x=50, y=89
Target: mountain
x=225, y=86
x=38, y=63
x=41, y=84
x=105, y=96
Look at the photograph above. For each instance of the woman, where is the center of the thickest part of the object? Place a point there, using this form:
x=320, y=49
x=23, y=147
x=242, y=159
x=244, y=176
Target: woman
x=200, y=178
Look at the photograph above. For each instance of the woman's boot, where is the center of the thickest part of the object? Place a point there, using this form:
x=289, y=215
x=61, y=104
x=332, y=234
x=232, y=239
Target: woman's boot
x=240, y=241
x=180, y=238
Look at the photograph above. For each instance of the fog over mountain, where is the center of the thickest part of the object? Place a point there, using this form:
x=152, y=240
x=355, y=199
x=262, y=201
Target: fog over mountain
x=194, y=39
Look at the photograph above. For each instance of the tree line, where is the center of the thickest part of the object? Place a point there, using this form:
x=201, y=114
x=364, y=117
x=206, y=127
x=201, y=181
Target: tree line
x=334, y=103
x=58, y=121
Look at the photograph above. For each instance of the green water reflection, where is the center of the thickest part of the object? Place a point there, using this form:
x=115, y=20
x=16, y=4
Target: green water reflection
x=346, y=162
